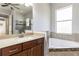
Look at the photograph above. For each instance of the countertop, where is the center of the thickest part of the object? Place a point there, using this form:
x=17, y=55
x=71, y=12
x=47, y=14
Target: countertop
x=17, y=40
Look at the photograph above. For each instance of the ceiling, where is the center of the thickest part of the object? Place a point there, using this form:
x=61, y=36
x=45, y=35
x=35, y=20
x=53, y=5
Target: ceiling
x=22, y=9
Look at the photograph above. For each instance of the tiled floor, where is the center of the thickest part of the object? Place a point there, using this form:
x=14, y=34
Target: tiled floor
x=64, y=53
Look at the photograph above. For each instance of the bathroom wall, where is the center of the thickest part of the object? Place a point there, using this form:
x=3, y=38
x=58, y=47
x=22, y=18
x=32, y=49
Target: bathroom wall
x=41, y=17
x=75, y=27
x=75, y=21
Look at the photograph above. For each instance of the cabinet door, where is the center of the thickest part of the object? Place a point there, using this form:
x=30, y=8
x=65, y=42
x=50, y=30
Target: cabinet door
x=30, y=44
x=34, y=51
x=0, y=52
x=31, y=50
x=37, y=50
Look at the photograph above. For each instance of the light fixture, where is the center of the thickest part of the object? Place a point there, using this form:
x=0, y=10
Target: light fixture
x=28, y=4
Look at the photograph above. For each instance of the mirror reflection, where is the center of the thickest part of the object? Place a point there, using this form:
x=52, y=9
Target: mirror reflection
x=15, y=18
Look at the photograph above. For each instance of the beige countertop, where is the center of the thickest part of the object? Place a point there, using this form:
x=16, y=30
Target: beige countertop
x=17, y=40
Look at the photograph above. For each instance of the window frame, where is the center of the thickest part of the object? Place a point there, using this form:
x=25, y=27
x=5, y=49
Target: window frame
x=62, y=20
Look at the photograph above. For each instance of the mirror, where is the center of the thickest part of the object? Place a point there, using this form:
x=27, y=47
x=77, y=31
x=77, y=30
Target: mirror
x=19, y=18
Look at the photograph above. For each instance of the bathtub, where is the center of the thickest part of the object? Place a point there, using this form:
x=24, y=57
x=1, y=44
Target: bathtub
x=61, y=43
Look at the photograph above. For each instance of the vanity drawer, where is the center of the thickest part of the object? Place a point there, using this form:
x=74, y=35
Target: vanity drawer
x=29, y=44
x=0, y=52
x=11, y=50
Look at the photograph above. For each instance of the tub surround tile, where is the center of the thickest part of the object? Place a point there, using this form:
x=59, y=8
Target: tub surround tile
x=73, y=37
x=76, y=37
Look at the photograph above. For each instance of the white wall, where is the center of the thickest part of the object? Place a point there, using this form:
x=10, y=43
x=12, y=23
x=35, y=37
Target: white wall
x=41, y=17
x=75, y=27
x=52, y=18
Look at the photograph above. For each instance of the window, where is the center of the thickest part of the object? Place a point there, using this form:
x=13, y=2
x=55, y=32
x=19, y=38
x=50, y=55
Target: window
x=64, y=20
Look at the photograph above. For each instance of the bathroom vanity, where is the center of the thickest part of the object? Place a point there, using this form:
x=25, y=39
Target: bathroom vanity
x=0, y=52
x=23, y=46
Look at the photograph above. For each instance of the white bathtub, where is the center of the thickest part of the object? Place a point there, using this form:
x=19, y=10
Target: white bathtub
x=61, y=43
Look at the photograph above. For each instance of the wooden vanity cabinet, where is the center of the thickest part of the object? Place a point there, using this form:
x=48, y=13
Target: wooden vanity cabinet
x=34, y=51
x=30, y=48
x=0, y=52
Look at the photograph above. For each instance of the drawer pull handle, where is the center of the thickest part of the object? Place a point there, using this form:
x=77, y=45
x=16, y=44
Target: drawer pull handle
x=13, y=50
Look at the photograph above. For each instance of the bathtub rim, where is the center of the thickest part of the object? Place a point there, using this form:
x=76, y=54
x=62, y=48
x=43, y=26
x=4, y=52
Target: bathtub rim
x=63, y=49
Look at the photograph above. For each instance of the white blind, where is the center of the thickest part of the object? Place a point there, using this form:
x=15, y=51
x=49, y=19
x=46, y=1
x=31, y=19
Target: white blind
x=64, y=20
